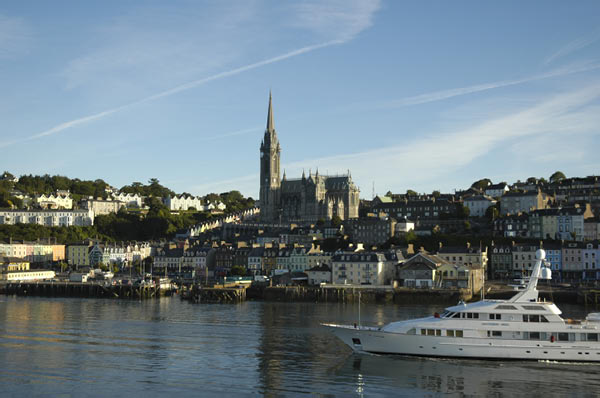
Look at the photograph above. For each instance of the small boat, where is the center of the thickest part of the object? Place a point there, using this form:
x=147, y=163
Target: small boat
x=521, y=328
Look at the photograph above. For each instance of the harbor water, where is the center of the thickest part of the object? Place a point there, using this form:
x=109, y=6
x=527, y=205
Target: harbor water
x=99, y=347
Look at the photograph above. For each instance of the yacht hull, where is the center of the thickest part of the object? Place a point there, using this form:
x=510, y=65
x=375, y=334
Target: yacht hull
x=373, y=340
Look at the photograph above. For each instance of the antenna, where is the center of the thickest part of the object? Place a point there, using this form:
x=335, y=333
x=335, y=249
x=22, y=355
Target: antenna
x=373, y=192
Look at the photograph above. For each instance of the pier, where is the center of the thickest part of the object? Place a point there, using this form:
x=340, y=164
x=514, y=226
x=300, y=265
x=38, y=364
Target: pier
x=77, y=289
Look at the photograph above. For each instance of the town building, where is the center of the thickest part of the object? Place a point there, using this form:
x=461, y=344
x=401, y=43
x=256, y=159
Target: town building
x=62, y=200
x=572, y=261
x=523, y=259
x=49, y=218
x=361, y=268
x=102, y=206
x=183, y=202
x=479, y=204
x=129, y=199
x=305, y=199
x=421, y=270
x=523, y=202
x=370, y=230
x=500, y=265
x=496, y=190
x=318, y=274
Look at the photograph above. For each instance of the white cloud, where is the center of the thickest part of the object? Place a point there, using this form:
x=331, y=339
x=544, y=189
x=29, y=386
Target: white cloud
x=15, y=36
x=336, y=19
x=574, y=46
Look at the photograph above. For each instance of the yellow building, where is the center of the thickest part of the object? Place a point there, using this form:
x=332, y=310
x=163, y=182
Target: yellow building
x=78, y=254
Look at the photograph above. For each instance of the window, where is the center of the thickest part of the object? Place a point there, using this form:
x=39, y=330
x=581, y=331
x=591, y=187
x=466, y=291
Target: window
x=592, y=337
x=563, y=337
x=459, y=333
x=450, y=333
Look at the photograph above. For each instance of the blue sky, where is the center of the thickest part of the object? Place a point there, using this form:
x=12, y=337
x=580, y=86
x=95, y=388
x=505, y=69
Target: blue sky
x=406, y=95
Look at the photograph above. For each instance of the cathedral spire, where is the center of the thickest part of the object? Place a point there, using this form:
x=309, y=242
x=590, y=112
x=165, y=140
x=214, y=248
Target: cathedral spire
x=270, y=124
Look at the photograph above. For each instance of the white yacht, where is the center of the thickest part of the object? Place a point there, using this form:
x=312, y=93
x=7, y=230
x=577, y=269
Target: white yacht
x=522, y=327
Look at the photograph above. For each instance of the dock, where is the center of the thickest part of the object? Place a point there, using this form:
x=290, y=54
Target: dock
x=79, y=289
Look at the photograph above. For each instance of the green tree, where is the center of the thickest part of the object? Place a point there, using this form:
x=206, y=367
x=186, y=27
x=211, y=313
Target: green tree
x=238, y=270
x=462, y=211
x=410, y=192
x=557, y=176
x=482, y=184
x=492, y=213
x=436, y=194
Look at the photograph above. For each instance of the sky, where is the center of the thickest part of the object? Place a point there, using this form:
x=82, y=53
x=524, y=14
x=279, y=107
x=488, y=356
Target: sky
x=403, y=95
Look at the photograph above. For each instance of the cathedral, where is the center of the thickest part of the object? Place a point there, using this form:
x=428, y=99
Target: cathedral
x=305, y=199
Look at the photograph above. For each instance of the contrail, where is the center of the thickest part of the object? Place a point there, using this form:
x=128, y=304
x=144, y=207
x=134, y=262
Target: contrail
x=455, y=92
x=175, y=90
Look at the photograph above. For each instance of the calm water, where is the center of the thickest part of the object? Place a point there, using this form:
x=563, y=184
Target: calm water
x=87, y=347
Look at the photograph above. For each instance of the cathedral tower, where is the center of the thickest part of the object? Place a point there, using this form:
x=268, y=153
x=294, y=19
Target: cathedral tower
x=270, y=181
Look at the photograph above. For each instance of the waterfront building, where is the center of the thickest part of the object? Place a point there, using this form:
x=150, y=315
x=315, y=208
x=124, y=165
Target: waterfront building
x=361, y=268
x=421, y=270
x=478, y=204
x=572, y=261
x=523, y=202
x=460, y=276
x=256, y=263
x=41, y=251
x=196, y=258
x=270, y=259
x=168, y=260
x=305, y=199
x=9, y=263
x=317, y=257
x=554, y=258
x=500, y=265
x=49, y=218
x=469, y=256
x=77, y=254
x=318, y=274
x=283, y=259
x=591, y=261
x=28, y=275
x=523, y=259
x=98, y=255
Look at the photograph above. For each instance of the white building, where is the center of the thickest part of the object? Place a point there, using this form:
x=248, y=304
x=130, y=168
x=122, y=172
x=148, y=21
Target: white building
x=361, y=268
x=130, y=200
x=479, y=204
x=49, y=218
x=28, y=275
x=102, y=207
x=319, y=274
x=496, y=190
x=58, y=201
x=183, y=202
x=404, y=225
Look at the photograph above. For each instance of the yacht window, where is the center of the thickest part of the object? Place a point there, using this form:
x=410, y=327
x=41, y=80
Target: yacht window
x=455, y=315
x=533, y=307
x=563, y=337
x=463, y=315
x=469, y=315
x=438, y=332
x=412, y=331
x=534, y=318
x=450, y=333
x=525, y=318
x=423, y=332
x=459, y=333
x=496, y=333
x=430, y=332
x=592, y=337
x=543, y=319
x=492, y=316
x=476, y=315
x=534, y=335
x=506, y=307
